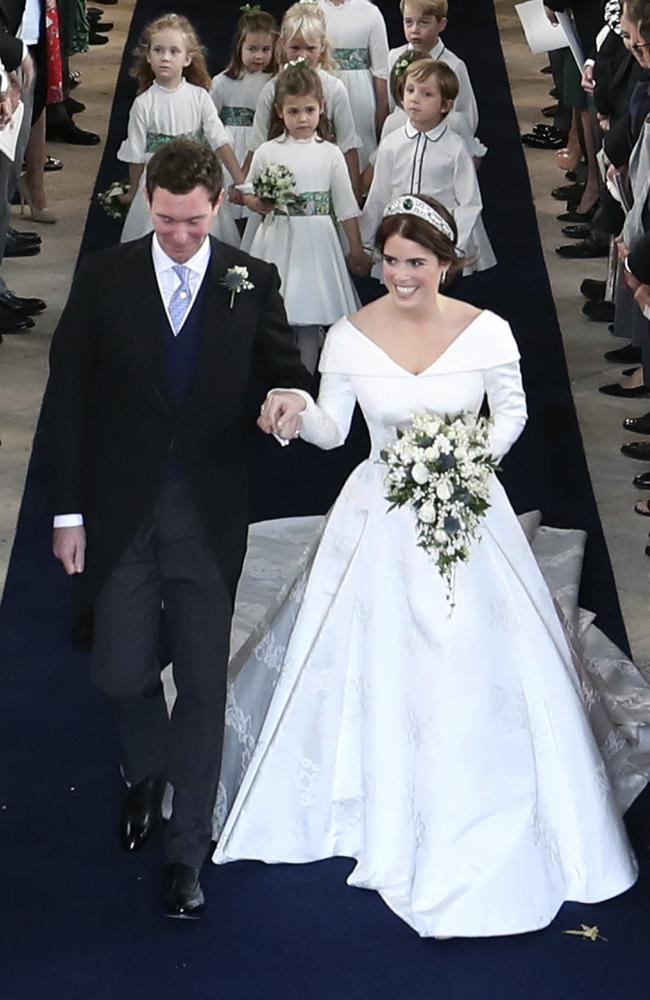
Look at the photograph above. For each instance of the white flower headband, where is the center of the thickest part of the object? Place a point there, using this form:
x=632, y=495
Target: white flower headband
x=407, y=204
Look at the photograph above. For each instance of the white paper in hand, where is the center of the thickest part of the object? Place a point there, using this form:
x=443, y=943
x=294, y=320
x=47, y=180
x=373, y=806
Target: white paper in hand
x=541, y=35
x=9, y=134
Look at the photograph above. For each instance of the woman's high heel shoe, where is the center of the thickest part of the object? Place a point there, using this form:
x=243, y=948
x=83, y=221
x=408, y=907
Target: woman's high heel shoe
x=36, y=214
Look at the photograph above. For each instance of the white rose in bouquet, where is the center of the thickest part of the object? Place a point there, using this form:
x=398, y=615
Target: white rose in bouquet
x=444, y=490
x=427, y=513
x=420, y=473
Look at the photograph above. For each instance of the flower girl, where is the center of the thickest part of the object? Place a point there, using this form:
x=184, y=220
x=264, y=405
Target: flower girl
x=236, y=90
x=357, y=32
x=303, y=35
x=425, y=156
x=302, y=240
x=172, y=103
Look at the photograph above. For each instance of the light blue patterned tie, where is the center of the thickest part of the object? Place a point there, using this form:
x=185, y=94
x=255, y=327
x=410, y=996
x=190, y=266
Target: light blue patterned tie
x=181, y=299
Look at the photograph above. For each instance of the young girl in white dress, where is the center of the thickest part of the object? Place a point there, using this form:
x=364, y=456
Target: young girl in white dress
x=172, y=103
x=423, y=22
x=426, y=156
x=449, y=753
x=304, y=245
x=303, y=35
x=236, y=90
x=357, y=33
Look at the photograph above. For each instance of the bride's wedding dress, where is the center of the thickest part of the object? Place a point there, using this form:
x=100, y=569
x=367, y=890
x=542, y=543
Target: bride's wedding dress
x=452, y=755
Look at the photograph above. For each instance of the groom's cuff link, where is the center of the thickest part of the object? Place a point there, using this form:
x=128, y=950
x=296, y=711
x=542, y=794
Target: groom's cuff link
x=68, y=521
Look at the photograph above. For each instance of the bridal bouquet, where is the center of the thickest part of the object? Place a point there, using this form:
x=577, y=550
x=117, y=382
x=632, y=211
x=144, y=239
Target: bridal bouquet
x=277, y=184
x=110, y=199
x=441, y=467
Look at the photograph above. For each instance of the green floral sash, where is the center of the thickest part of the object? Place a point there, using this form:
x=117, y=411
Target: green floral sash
x=237, y=116
x=157, y=139
x=352, y=58
x=311, y=203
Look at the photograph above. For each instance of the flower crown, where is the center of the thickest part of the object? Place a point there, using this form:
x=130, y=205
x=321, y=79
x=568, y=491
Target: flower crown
x=409, y=205
x=300, y=61
x=251, y=8
x=401, y=66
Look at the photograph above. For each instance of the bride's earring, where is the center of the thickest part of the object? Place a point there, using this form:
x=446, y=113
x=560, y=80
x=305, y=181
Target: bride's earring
x=443, y=277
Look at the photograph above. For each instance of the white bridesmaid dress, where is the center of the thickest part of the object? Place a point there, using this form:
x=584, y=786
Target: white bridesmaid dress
x=450, y=755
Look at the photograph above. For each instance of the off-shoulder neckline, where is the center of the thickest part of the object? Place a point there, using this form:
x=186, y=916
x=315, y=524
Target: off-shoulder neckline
x=423, y=371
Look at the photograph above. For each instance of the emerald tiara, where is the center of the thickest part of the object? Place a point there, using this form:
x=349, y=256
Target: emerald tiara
x=409, y=205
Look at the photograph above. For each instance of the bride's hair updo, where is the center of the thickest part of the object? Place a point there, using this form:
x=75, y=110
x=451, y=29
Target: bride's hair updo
x=419, y=230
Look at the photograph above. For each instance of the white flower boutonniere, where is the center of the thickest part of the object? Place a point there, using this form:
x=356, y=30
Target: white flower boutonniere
x=236, y=281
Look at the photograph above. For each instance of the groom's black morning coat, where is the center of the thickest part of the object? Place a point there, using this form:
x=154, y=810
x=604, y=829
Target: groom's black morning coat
x=110, y=417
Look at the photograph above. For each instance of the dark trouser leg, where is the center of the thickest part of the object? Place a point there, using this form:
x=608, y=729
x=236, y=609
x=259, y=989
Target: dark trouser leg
x=124, y=663
x=198, y=613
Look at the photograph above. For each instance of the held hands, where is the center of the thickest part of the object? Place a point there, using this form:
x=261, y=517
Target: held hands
x=257, y=205
x=235, y=197
x=280, y=414
x=69, y=547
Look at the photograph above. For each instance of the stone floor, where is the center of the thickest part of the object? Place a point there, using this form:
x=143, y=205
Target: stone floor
x=23, y=359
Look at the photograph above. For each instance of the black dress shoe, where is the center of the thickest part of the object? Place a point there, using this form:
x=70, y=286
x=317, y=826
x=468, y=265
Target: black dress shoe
x=550, y=131
x=639, y=425
x=573, y=216
x=585, y=250
x=52, y=163
x=623, y=355
x=642, y=482
x=182, y=893
x=571, y=176
x=534, y=141
x=20, y=306
x=567, y=192
x=637, y=449
x=638, y=392
x=74, y=107
x=15, y=246
x=67, y=131
x=599, y=312
x=107, y=3
x=578, y=231
x=102, y=26
x=553, y=93
x=550, y=111
x=11, y=323
x=94, y=38
x=141, y=812
x=26, y=235
x=593, y=290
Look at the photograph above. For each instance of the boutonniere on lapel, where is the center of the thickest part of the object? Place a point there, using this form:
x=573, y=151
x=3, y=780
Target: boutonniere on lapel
x=236, y=281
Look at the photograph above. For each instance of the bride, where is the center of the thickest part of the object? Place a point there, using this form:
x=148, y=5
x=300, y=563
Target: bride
x=450, y=754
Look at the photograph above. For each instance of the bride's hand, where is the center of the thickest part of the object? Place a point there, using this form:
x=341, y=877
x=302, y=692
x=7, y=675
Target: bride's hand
x=280, y=414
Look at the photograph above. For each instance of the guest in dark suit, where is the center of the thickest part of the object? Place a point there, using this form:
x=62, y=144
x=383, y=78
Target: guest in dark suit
x=152, y=399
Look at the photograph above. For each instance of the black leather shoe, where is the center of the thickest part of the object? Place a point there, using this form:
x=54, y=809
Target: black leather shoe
x=638, y=392
x=637, y=449
x=52, y=163
x=550, y=111
x=107, y=3
x=141, y=812
x=182, y=893
x=74, y=107
x=647, y=550
x=550, y=131
x=585, y=250
x=67, y=131
x=572, y=176
x=642, y=481
x=639, y=425
x=578, y=231
x=623, y=355
x=599, y=312
x=11, y=323
x=28, y=236
x=534, y=141
x=573, y=216
x=568, y=192
x=103, y=27
x=15, y=246
x=19, y=306
x=94, y=38
x=593, y=290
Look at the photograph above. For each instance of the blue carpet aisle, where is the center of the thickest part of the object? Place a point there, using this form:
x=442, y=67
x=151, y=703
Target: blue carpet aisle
x=79, y=919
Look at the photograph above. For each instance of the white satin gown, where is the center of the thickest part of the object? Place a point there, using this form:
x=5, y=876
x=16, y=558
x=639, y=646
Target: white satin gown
x=450, y=755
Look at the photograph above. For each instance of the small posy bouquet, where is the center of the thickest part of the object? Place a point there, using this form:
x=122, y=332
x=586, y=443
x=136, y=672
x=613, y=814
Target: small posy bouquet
x=110, y=199
x=441, y=467
x=276, y=184
x=236, y=281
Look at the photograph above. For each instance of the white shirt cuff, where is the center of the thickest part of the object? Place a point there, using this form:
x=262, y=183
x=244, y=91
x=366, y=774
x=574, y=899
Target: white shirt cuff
x=68, y=520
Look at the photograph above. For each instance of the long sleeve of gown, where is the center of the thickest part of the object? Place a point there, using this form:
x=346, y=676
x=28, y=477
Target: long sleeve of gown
x=507, y=402
x=326, y=423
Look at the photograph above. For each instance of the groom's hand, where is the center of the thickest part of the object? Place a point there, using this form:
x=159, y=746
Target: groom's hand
x=280, y=414
x=69, y=547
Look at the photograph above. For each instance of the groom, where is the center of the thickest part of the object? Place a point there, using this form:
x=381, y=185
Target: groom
x=158, y=364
